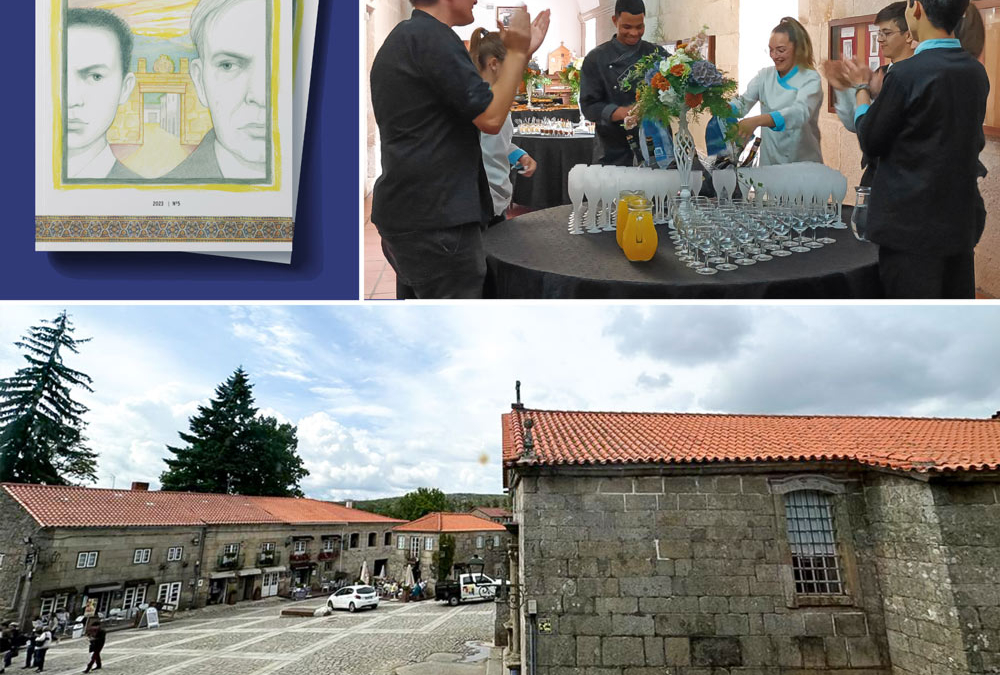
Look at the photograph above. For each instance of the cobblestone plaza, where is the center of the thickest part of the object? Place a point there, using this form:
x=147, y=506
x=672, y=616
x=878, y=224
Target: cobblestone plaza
x=257, y=641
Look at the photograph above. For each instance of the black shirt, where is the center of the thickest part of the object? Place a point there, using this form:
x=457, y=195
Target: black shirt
x=926, y=131
x=601, y=93
x=425, y=94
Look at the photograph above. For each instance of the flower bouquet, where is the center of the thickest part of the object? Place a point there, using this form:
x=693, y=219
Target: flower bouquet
x=570, y=76
x=532, y=77
x=668, y=88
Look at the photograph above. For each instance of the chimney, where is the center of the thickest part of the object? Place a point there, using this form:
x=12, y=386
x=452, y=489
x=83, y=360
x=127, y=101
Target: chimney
x=142, y=487
x=517, y=405
x=349, y=504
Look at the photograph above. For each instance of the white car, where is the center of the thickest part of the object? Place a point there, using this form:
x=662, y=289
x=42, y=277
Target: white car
x=353, y=598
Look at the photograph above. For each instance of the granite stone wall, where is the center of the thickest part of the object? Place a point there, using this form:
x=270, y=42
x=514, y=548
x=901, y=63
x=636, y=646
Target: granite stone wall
x=15, y=525
x=969, y=516
x=685, y=575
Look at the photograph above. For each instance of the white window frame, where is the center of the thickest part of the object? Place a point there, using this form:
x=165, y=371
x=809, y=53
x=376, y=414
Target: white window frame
x=134, y=596
x=328, y=546
x=175, y=553
x=2, y=556
x=141, y=556
x=496, y=541
x=231, y=549
x=47, y=605
x=480, y=541
x=428, y=543
x=300, y=547
x=267, y=546
x=415, y=546
x=86, y=559
x=401, y=542
x=169, y=593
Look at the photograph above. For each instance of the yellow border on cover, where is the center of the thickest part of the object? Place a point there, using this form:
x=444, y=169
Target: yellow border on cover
x=56, y=22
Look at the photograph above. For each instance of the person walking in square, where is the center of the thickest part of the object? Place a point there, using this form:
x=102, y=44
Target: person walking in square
x=43, y=638
x=97, y=637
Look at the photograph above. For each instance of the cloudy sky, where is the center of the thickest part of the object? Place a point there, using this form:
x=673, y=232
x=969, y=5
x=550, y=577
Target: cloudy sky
x=390, y=398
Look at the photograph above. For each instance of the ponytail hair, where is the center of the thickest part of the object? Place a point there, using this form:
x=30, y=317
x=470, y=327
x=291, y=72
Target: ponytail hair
x=799, y=37
x=485, y=45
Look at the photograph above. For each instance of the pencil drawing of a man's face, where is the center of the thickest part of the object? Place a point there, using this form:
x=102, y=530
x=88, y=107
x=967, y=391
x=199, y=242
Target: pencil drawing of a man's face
x=97, y=82
x=230, y=76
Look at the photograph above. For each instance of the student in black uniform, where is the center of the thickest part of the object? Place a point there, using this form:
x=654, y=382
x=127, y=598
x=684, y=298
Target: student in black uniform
x=926, y=130
x=602, y=99
x=432, y=200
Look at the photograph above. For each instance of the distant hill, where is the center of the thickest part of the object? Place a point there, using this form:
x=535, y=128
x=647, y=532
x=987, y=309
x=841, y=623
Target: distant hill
x=461, y=503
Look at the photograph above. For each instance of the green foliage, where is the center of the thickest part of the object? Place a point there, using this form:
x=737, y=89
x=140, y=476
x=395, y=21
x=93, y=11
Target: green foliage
x=444, y=557
x=460, y=503
x=41, y=426
x=420, y=502
x=232, y=450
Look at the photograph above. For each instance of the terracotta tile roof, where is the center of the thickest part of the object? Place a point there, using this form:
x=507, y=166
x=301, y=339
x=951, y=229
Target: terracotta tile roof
x=493, y=511
x=61, y=506
x=450, y=522
x=907, y=443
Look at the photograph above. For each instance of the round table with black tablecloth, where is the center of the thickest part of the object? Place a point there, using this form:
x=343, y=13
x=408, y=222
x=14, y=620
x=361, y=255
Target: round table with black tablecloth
x=555, y=155
x=533, y=256
x=572, y=114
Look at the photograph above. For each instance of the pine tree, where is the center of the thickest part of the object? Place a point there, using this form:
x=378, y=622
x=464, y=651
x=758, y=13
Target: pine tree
x=41, y=426
x=232, y=450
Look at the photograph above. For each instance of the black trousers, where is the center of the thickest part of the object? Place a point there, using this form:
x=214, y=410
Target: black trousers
x=448, y=263
x=919, y=276
x=40, y=658
x=95, y=660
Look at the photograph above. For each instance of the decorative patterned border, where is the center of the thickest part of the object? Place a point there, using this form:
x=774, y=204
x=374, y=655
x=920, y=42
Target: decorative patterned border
x=140, y=229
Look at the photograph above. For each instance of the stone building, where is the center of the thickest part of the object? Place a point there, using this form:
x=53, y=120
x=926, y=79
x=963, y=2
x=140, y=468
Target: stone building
x=496, y=514
x=418, y=541
x=60, y=546
x=687, y=544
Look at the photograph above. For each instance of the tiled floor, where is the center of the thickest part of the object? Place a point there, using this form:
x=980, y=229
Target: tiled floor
x=380, y=280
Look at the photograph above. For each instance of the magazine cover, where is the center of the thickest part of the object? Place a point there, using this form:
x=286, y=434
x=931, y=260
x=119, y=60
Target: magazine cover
x=165, y=125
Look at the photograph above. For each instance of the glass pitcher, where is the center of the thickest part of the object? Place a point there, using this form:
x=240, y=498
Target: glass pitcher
x=859, y=216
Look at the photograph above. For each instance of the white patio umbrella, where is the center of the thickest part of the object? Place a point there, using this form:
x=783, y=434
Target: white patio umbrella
x=408, y=576
x=365, y=577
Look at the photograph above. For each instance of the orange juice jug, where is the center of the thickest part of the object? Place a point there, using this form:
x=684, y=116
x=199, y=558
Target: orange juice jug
x=639, y=239
x=624, y=197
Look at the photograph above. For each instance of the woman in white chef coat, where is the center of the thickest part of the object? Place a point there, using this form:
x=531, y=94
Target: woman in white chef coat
x=790, y=95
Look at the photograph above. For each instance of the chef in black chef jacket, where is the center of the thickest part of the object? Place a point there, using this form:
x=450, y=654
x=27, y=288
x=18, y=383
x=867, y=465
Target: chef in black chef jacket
x=602, y=99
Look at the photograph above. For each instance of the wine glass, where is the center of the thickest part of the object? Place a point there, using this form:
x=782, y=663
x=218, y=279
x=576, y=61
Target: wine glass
x=704, y=239
x=838, y=194
x=592, y=192
x=575, y=189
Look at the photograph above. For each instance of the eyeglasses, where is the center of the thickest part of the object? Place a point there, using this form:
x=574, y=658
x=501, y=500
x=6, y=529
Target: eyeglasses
x=883, y=35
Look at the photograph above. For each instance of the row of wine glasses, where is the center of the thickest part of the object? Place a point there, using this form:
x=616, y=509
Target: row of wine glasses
x=552, y=126
x=717, y=236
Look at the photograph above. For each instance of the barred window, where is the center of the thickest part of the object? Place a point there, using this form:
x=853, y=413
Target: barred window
x=811, y=537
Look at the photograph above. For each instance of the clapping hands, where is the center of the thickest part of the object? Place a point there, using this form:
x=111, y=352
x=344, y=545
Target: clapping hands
x=522, y=34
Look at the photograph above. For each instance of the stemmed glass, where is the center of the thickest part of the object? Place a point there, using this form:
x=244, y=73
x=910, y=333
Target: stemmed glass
x=704, y=239
x=838, y=194
x=799, y=213
x=744, y=236
x=782, y=219
x=575, y=189
x=592, y=191
x=609, y=192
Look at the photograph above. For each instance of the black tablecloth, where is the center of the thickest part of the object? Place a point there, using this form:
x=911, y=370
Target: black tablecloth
x=564, y=114
x=555, y=155
x=533, y=256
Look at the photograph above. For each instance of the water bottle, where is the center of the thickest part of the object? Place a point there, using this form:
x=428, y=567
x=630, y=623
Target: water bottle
x=859, y=217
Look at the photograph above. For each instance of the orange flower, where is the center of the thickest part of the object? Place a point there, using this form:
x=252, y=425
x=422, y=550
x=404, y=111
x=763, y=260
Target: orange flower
x=678, y=70
x=660, y=82
x=693, y=100
x=638, y=94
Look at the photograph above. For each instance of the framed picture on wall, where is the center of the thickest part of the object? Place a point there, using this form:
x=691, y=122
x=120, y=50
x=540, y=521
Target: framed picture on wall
x=847, y=49
x=874, y=63
x=873, y=45
x=504, y=14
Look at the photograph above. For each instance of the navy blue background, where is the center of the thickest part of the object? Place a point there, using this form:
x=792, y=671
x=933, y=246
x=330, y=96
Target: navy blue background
x=325, y=261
